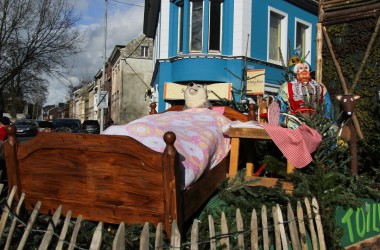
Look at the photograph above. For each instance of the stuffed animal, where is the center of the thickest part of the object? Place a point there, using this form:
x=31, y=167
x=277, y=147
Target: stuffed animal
x=347, y=104
x=196, y=96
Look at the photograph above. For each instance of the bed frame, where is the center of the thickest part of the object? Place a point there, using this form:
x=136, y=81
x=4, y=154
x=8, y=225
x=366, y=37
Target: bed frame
x=108, y=178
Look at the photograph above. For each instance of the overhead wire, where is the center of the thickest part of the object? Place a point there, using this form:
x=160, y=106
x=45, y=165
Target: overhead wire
x=132, y=4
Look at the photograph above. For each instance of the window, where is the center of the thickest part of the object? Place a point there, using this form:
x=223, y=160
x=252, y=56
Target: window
x=302, y=39
x=196, y=27
x=180, y=28
x=203, y=30
x=215, y=26
x=144, y=51
x=277, y=35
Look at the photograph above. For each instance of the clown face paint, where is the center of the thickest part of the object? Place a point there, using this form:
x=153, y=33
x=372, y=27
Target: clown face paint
x=303, y=72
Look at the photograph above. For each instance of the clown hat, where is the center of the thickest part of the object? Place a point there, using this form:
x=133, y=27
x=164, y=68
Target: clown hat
x=294, y=60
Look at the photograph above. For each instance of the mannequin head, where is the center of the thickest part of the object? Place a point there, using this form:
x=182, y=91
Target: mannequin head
x=302, y=71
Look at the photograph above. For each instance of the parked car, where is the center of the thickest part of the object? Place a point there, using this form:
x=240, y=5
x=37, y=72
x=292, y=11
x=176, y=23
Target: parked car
x=26, y=127
x=43, y=125
x=72, y=125
x=91, y=126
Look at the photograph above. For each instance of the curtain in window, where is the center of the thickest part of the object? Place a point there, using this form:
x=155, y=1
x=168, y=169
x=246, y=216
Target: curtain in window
x=301, y=38
x=196, y=26
x=274, y=37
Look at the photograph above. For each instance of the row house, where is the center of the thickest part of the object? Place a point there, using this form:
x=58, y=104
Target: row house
x=129, y=79
x=128, y=72
x=114, y=83
x=221, y=43
x=107, y=87
x=52, y=112
x=82, y=103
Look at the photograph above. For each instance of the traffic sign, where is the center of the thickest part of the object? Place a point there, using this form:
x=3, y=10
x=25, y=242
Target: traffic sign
x=102, y=101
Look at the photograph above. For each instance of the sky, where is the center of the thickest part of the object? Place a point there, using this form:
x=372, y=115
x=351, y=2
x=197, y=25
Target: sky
x=124, y=23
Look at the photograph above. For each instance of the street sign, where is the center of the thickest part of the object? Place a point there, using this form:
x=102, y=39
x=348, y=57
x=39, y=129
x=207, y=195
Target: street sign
x=102, y=101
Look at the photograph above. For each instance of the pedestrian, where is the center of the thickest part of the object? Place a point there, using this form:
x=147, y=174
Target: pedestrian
x=4, y=121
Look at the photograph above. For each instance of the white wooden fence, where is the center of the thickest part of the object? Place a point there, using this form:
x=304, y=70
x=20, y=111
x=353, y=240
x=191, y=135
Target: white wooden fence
x=288, y=234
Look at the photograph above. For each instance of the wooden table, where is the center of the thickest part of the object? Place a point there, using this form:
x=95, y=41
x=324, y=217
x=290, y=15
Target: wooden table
x=236, y=133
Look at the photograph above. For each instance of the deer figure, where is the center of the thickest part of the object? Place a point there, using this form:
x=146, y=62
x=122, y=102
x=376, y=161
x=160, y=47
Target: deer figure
x=346, y=127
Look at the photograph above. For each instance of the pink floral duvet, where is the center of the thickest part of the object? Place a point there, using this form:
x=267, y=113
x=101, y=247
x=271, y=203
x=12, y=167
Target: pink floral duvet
x=200, y=141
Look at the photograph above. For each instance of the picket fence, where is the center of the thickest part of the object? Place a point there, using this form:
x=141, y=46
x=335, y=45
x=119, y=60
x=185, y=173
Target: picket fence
x=287, y=235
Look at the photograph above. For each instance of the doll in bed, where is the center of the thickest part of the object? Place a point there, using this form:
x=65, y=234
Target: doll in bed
x=196, y=97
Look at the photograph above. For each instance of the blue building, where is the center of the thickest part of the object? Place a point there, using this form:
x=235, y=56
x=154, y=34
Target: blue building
x=215, y=42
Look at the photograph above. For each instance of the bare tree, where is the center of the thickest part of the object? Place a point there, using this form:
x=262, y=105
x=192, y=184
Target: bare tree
x=36, y=38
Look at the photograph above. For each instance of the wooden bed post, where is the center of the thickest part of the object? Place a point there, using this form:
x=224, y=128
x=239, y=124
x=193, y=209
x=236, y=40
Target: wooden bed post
x=10, y=148
x=172, y=190
x=251, y=112
x=153, y=110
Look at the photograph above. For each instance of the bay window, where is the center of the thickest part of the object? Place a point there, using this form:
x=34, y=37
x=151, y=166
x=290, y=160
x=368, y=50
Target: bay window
x=199, y=26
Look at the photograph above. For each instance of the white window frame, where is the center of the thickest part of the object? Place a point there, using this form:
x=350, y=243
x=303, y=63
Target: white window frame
x=220, y=32
x=284, y=35
x=144, y=52
x=308, y=39
x=180, y=28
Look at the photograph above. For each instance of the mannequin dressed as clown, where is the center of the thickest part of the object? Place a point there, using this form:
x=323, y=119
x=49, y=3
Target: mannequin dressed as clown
x=303, y=94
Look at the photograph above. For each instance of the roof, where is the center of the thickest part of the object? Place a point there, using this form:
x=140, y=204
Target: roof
x=310, y=5
x=115, y=52
x=342, y=11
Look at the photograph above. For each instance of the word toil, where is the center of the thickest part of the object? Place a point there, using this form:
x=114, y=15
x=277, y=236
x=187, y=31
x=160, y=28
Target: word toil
x=362, y=221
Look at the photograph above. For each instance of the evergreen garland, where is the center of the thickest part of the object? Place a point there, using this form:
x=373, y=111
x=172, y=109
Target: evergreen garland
x=328, y=178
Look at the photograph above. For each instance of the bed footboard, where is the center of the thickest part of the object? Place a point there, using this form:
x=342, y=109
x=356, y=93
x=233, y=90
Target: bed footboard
x=101, y=177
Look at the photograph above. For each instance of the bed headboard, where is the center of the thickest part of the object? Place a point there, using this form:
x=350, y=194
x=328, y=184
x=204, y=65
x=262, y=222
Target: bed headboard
x=230, y=113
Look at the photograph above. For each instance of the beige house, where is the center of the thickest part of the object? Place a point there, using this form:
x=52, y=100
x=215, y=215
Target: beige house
x=132, y=70
x=82, y=104
x=128, y=74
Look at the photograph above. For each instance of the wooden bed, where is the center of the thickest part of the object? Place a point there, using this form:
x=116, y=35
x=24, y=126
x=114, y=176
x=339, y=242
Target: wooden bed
x=108, y=178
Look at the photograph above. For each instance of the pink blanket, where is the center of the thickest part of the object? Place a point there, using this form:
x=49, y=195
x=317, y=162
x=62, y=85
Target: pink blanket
x=200, y=141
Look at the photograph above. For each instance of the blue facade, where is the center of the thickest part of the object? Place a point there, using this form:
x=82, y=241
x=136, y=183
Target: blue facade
x=184, y=65
x=260, y=24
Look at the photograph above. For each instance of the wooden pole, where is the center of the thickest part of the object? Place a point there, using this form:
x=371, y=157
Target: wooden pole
x=318, y=70
x=321, y=11
x=342, y=80
x=335, y=61
x=348, y=11
x=366, y=55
